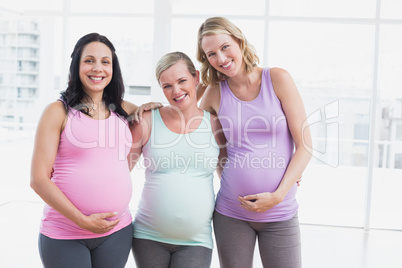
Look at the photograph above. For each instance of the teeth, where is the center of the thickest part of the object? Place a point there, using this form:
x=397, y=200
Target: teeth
x=96, y=78
x=180, y=98
x=227, y=65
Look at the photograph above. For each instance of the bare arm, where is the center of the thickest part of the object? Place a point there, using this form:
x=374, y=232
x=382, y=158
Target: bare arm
x=221, y=141
x=45, y=149
x=296, y=116
x=200, y=90
x=211, y=100
x=129, y=107
x=140, y=131
x=293, y=108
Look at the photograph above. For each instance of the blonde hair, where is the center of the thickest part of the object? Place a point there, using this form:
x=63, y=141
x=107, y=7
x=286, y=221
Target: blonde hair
x=221, y=25
x=170, y=59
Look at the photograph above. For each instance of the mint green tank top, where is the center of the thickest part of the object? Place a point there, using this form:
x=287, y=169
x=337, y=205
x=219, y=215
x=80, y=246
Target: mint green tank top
x=178, y=198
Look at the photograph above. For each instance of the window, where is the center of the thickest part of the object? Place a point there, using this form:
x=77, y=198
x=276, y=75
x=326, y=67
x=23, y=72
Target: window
x=398, y=161
x=324, y=9
x=386, y=195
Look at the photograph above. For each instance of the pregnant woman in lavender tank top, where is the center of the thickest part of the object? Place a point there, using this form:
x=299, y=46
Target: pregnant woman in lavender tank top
x=263, y=119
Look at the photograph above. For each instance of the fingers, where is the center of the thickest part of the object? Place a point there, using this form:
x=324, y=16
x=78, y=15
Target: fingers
x=138, y=114
x=135, y=116
x=100, y=224
x=140, y=110
x=252, y=197
x=248, y=203
x=110, y=225
x=145, y=107
x=106, y=227
x=106, y=215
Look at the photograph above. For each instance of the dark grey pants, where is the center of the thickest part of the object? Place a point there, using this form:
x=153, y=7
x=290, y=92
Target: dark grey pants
x=103, y=252
x=279, y=242
x=149, y=253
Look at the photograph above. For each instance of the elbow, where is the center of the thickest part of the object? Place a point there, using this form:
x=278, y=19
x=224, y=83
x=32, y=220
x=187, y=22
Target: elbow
x=305, y=149
x=34, y=184
x=308, y=156
x=307, y=145
x=37, y=183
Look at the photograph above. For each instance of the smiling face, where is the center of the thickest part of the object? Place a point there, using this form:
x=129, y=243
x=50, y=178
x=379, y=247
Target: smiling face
x=179, y=86
x=96, y=68
x=223, y=53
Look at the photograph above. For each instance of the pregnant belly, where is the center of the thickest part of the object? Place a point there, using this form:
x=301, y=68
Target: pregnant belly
x=237, y=181
x=112, y=194
x=182, y=209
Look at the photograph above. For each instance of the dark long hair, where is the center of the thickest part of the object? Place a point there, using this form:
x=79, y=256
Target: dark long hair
x=74, y=95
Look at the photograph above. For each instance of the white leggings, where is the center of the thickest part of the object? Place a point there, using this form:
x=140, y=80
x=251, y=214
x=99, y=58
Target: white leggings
x=278, y=242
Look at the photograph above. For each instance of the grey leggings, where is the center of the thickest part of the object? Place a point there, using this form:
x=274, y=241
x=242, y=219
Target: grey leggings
x=149, y=253
x=279, y=242
x=103, y=252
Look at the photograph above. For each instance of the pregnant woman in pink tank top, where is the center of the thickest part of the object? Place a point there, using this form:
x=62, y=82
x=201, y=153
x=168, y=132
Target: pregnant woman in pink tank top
x=263, y=117
x=79, y=164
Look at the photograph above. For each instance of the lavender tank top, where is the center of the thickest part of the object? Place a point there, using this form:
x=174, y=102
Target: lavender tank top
x=260, y=147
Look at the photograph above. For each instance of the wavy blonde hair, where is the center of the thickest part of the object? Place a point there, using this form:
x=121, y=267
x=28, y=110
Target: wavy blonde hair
x=221, y=25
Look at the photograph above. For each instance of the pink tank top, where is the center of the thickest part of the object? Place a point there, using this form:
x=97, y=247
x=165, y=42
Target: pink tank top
x=91, y=169
x=260, y=147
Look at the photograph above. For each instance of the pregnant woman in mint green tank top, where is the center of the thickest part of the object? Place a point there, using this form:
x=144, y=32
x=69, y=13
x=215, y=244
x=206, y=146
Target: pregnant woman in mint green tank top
x=182, y=146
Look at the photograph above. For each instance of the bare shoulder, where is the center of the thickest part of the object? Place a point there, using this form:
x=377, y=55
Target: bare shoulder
x=213, y=91
x=282, y=82
x=129, y=107
x=279, y=75
x=54, y=116
x=55, y=106
x=145, y=122
x=211, y=100
x=55, y=110
x=142, y=130
x=147, y=117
